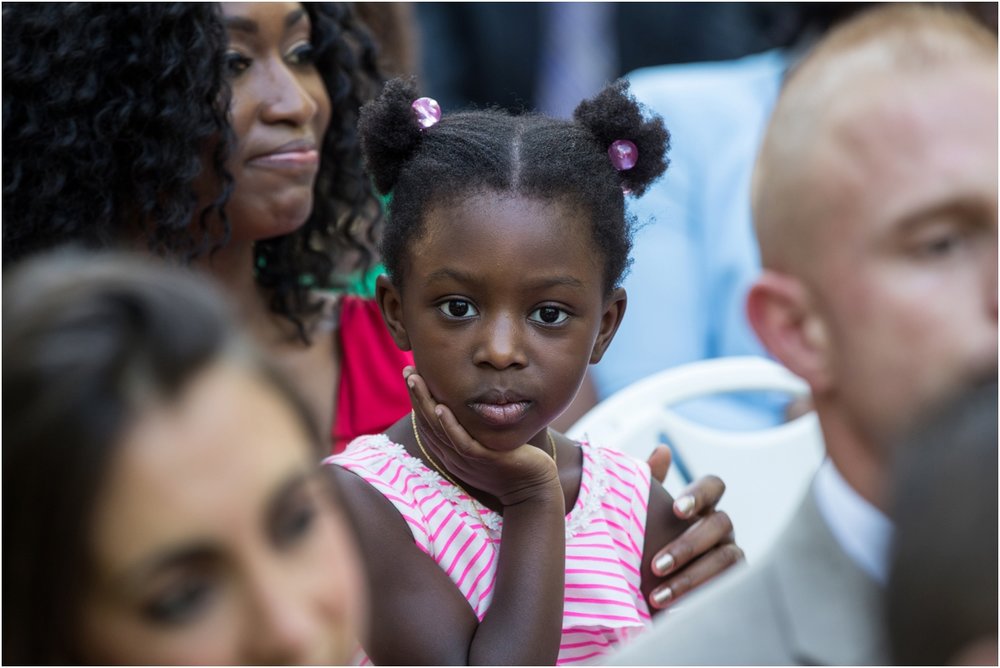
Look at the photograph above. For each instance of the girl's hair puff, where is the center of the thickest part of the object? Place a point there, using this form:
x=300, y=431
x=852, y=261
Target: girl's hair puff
x=614, y=114
x=389, y=135
x=529, y=155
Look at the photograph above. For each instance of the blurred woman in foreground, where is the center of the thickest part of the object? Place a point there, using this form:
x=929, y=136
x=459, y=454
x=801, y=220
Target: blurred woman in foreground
x=162, y=500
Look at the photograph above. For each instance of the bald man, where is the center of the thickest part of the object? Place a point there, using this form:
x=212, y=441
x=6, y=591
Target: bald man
x=875, y=203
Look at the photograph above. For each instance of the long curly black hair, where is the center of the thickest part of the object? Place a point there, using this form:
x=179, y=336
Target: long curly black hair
x=528, y=154
x=110, y=112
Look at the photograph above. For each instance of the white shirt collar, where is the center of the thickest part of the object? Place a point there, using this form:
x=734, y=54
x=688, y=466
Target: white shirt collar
x=861, y=529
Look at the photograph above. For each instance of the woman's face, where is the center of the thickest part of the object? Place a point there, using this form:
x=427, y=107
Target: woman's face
x=280, y=111
x=215, y=539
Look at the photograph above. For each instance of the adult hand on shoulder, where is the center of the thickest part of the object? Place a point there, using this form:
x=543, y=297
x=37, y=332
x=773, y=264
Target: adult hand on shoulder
x=706, y=549
x=510, y=476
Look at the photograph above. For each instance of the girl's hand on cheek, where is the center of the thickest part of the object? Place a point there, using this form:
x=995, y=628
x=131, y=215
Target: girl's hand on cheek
x=521, y=474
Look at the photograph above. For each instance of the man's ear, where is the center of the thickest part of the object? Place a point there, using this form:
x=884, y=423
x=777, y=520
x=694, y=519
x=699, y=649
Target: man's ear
x=791, y=327
x=614, y=311
x=387, y=297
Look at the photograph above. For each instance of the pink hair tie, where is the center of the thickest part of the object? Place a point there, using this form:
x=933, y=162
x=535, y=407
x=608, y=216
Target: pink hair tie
x=427, y=111
x=623, y=154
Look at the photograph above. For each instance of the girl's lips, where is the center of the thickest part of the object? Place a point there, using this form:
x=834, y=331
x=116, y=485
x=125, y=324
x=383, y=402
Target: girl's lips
x=501, y=415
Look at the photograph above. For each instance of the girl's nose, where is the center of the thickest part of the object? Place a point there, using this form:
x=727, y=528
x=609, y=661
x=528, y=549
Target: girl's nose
x=502, y=345
x=286, y=98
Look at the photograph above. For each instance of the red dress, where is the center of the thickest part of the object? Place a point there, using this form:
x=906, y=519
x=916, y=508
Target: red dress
x=372, y=394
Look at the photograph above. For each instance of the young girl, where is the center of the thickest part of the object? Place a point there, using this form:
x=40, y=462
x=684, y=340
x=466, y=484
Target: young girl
x=490, y=538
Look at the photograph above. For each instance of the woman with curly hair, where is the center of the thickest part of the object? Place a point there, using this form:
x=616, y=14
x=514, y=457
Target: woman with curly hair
x=219, y=135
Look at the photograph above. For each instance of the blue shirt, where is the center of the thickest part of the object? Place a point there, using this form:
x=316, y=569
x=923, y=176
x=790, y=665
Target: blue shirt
x=695, y=253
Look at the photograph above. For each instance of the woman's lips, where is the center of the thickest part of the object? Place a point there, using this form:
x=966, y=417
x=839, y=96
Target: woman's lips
x=500, y=414
x=305, y=160
x=299, y=155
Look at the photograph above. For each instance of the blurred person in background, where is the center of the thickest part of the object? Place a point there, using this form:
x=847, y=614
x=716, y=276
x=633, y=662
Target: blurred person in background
x=162, y=496
x=875, y=207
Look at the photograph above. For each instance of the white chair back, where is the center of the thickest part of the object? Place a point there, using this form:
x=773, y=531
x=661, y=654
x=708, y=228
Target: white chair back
x=766, y=471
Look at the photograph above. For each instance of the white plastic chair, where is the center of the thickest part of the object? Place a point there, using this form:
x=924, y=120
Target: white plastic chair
x=766, y=471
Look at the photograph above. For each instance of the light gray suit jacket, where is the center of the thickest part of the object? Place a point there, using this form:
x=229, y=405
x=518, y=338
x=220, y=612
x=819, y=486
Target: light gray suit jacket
x=804, y=602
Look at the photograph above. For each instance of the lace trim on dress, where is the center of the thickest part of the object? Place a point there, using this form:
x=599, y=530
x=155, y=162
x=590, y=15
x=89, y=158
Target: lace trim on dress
x=587, y=503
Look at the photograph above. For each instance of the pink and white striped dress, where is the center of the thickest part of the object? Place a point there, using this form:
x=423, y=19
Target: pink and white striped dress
x=604, y=538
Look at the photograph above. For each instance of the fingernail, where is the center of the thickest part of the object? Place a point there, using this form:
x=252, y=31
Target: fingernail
x=412, y=383
x=661, y=596
x=438, y=411
x=664, y=563
x=684, y=505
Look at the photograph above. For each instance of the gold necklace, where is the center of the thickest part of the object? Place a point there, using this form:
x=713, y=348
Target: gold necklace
x=440, y=469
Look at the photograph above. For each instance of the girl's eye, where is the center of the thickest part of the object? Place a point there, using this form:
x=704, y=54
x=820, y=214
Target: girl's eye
x=182, y=602
x=549, y=315
x=302, y=54
x=236, y=63
x=458, y=308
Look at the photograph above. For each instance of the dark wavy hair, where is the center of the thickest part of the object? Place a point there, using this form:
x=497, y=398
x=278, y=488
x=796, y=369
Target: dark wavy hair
x=107, y=113
x=111, y=111
x=530, y=154
x=88, y=340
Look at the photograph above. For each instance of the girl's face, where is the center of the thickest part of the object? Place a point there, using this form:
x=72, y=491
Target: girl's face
x=280, y=112
x=215, y=539
x=503, y=306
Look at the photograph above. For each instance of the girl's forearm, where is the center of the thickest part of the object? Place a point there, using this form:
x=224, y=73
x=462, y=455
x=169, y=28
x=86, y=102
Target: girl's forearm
x=524, y=622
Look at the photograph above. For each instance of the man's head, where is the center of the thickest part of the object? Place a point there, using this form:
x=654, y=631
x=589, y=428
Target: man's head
x=875, y=201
